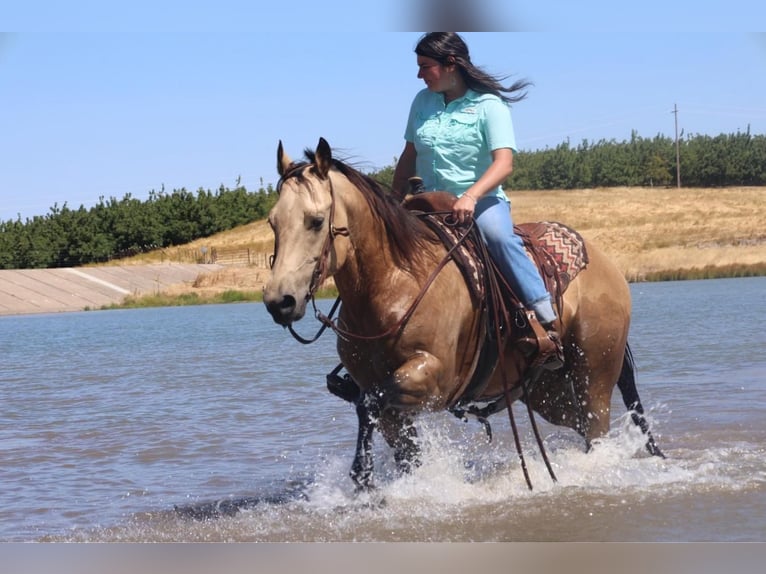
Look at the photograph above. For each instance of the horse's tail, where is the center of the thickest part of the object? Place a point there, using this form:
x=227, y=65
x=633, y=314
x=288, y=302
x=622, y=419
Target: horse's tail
x=627, y=385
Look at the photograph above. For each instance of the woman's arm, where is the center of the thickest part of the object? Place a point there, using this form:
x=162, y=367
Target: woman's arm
x=498, y=171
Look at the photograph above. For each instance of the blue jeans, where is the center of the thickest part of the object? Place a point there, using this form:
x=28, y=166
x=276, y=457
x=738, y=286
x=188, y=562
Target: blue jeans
x=493, y=218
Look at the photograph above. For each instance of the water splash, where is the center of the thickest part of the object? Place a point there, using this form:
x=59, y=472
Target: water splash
x=466, y=489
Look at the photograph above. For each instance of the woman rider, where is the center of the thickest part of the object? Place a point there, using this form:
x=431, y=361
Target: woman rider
x=460, y=138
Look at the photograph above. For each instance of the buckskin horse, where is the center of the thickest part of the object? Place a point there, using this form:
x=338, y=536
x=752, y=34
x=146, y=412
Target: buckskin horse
x=414, y=335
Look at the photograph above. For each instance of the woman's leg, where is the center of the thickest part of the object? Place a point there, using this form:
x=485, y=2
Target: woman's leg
x=493, y=217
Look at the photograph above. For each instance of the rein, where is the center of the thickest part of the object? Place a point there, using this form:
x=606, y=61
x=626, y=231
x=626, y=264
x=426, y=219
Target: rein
x=318, y=314
x=498, y=306
x=320, y=272
x=399, y=325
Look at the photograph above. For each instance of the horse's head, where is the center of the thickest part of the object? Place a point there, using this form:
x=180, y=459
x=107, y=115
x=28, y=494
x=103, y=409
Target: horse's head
x=305, y=220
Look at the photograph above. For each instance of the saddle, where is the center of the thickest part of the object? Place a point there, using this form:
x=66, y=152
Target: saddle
x=557, y=251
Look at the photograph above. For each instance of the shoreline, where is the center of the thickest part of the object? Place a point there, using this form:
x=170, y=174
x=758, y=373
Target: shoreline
x=184, y=293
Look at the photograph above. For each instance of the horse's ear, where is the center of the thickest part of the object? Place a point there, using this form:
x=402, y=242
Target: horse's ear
x=323, y=158
x=283, y=161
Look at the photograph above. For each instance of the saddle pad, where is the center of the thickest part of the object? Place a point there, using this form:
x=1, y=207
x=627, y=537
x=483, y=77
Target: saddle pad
x=564, y=247
x=465, y=253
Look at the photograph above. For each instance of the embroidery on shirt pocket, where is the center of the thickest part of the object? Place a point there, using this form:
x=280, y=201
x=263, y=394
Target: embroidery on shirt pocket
x=464, y=129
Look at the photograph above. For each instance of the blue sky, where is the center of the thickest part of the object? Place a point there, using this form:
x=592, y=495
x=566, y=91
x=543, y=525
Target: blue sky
x=108, y=98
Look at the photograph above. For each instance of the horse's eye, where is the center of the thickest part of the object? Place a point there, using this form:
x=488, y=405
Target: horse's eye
x=316, y=223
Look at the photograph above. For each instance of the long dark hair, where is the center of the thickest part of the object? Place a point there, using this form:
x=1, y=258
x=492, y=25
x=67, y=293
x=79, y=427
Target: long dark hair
x=449, y=48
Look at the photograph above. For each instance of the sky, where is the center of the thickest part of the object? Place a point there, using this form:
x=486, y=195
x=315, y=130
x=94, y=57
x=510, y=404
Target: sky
x=103, y=99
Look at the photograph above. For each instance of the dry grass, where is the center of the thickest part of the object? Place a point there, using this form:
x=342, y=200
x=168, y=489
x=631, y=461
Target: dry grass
x=649, y=232
x=256, y=236
x=230, y=278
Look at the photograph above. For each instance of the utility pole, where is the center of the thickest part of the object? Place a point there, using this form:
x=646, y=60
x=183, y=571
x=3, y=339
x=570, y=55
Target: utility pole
x=678, y=152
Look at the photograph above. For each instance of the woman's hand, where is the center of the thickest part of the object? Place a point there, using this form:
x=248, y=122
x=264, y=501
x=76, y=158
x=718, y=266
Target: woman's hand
x=463, y=208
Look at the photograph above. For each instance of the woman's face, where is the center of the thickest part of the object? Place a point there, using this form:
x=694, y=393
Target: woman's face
x=435, y=75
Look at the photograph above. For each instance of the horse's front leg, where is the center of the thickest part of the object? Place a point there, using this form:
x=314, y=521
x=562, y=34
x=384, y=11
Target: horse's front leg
x=401, y=435
x=411, y=388
x=367, y=413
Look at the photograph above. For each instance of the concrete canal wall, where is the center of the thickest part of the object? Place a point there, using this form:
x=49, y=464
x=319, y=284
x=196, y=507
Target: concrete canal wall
x=25, y=291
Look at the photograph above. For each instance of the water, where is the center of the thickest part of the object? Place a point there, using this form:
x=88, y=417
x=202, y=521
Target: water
x=111, y=419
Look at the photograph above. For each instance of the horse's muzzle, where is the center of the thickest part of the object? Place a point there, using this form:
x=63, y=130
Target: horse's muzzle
x=284, y=309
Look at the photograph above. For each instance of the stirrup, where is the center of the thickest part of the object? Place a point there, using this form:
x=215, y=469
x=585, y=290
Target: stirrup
x=550, y=353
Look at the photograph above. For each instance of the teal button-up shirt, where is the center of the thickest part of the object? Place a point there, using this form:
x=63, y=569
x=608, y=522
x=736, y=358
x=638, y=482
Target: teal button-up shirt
x=454, y=142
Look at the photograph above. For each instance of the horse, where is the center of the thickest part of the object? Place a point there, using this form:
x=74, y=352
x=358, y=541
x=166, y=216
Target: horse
x=410, y=330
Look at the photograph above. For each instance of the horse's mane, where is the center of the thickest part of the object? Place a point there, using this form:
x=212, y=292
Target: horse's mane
x=408, y=234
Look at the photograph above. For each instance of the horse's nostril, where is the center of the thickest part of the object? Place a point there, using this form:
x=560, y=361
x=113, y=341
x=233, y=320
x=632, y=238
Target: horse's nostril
x=281, y=308
x=287, y=303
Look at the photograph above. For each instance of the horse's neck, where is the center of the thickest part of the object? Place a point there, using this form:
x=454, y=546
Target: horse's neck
x=369, y=260
x=369, y=263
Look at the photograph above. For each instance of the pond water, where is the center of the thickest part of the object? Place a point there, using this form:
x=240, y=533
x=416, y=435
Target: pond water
x=110, y=420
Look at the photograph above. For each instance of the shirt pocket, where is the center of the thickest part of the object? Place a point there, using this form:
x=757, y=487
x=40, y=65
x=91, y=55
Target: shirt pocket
x=464, y=131
x=427, y=132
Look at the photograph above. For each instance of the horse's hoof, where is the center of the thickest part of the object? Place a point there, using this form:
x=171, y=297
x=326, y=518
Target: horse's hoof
x=374, y=500
x=653, y=449
x=363, y=487
x=343, y=387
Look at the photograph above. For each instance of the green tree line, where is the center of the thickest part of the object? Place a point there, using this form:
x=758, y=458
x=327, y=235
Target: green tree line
x=114, y=228
x=705, y=161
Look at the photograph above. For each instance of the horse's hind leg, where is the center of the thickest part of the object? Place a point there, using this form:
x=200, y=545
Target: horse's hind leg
x=627, y=385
